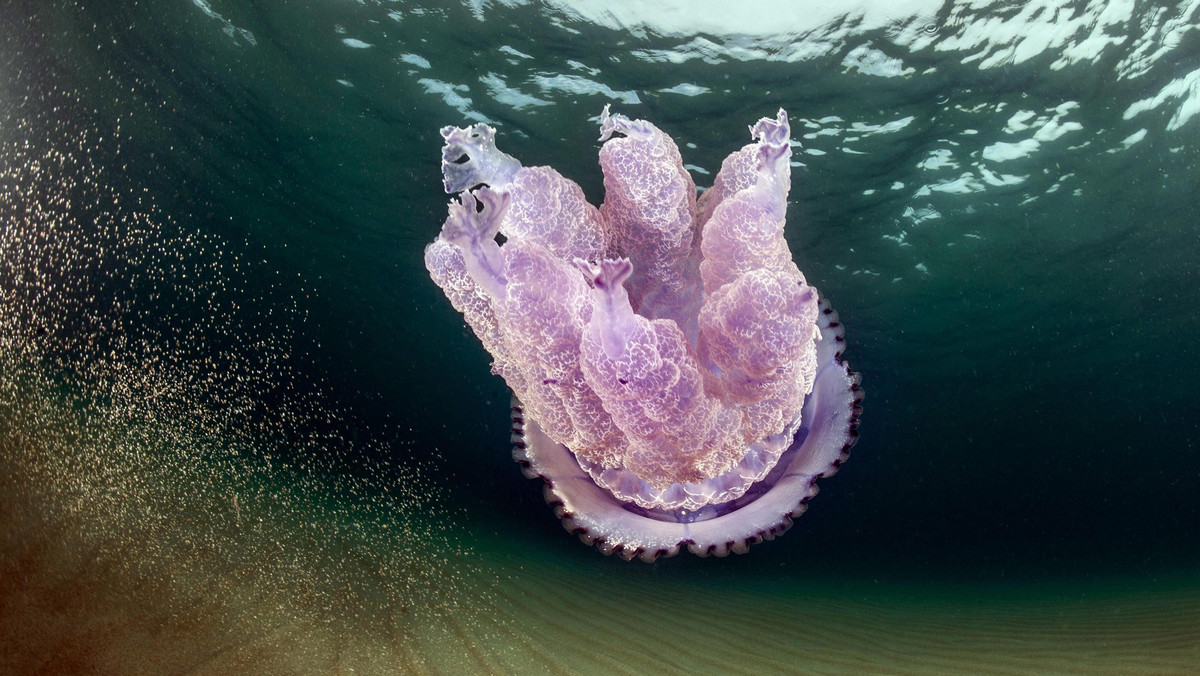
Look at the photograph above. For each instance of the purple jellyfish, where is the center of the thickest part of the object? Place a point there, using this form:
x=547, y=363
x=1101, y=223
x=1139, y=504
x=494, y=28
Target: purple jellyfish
x=676, y=380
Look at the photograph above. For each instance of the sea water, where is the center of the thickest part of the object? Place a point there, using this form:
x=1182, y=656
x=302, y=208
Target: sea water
x=240, y=429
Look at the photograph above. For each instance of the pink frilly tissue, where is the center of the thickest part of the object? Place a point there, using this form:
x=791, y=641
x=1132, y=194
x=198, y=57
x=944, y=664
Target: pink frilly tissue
x=677, y=381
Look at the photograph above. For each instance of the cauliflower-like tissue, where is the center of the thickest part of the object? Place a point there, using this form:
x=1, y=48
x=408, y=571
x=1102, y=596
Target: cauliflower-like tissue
x=676, y=380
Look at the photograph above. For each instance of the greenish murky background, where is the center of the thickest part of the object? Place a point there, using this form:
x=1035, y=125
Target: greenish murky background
x=237, y=418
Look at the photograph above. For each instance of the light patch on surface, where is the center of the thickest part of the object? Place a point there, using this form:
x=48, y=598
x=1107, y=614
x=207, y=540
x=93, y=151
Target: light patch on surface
x=745, y=48
x=874, y=62
x=885, y=128
x=828, y=131
x=1161, y=33
x=986, y=34
x=1054, y=130
x=512, y=51
x=1046, y=128
x=999, y=39
x=1004, y=151
x=577, y=65
x=1019, y=121
x=451, y=96
x=941, y=158
x=1133, y=138
x=415, y=60
x=509, y=96
x=992, y=178
x=748, y=18
x=965, y=184
x=227, y=26
x=355, y=43
x=578, y=85
x=686, y=89
x=919, y=216
x=1186, y=88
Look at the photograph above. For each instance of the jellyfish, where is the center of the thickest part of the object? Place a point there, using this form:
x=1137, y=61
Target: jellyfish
x=677, y=382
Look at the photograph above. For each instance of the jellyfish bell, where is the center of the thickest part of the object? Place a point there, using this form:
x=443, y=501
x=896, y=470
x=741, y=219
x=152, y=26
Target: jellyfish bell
x=677, y=382
x=820, y=443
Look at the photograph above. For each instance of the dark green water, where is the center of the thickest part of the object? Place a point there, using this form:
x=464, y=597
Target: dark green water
x=999, y=201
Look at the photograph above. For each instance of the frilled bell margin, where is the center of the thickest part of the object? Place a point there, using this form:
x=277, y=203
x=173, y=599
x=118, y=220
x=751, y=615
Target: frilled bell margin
x=822, y=443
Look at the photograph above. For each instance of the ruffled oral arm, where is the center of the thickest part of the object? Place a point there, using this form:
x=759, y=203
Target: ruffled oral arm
x=745, y=231
x=470, y=157
x=474, y=231
x=612, y=314
x=774, y=155
x=649, y=212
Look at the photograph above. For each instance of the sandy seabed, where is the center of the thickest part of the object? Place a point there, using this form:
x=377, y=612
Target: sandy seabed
x=119, y=555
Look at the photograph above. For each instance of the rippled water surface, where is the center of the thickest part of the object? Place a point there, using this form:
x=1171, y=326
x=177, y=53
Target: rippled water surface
x=241, y=430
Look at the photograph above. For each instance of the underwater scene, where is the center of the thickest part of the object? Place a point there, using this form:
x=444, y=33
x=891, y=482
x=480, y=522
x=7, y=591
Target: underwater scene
x=548, y=337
